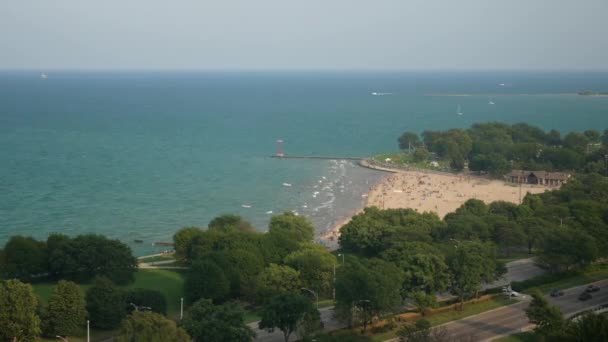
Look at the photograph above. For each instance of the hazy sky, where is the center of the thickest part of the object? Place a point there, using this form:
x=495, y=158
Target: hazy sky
x=304, y=34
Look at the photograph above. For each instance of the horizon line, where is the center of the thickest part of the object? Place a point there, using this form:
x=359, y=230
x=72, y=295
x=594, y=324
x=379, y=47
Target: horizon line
x=302, y=70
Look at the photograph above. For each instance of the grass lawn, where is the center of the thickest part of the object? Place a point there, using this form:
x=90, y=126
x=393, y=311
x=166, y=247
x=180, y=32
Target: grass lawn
x=401, y=158
x=164, y=257
x=452, y=315
x=591, y=274
x=516, y=256
x=519, y=337
x=168, y=282
x=252, y=316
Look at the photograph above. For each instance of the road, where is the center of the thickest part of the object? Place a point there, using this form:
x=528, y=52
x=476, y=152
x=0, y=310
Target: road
x=511, y=319
x=516, y=270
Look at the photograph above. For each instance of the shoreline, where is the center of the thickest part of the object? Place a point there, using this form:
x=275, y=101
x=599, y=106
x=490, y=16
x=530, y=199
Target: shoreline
x=428, y=191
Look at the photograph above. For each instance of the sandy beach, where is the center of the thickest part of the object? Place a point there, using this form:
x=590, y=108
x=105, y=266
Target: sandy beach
x=434, y=192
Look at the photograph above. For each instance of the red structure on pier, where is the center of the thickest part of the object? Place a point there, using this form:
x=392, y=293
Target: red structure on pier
x=280, y=148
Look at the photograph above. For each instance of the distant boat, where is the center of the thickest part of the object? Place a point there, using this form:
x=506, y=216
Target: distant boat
x=458, y=110
x=287, y=184
x=44, y=76
x=380, y=94
x=491, y=102
x=138, y=241
x=269, y=212
x=246, y=206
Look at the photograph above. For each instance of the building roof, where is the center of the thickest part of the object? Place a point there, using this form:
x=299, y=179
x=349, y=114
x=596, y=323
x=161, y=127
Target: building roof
x=539, y=174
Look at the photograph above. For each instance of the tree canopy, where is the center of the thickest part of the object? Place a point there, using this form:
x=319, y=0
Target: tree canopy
x=150, y=327
x=18, y=318
x=105, y=304
x=286, y=312
x=206, y=322
x=66, y=312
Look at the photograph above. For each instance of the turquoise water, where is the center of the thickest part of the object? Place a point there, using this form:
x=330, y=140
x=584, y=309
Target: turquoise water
x=139, y=155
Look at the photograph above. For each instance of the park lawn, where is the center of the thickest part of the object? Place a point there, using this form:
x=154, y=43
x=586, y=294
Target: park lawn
x=592, y=274
x=96, y=335
x=169, y=282
x=163, y=257
x=516, y=256
x=402, y=158
x=519, y=337
x=252, y=316
x=452, y=315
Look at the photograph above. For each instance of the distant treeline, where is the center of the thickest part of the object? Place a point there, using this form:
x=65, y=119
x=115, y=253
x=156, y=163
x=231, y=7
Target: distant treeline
x=497, y=148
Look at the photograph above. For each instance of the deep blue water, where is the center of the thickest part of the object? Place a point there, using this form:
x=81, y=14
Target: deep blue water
x=139, y=155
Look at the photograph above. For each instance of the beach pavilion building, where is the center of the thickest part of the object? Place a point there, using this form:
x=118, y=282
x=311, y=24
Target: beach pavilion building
x=537, y=177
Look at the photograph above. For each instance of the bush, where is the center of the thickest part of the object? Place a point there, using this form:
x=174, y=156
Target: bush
x=148, y=298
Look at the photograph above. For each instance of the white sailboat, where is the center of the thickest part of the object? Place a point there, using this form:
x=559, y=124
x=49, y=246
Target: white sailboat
x=491, y=102
x=458, y=110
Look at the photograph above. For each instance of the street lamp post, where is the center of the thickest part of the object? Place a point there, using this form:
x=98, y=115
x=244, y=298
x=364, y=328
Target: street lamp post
x=313, y=293
x=334, y=289
x=342, y=255
x=181, y=309
x=561, y=219
x=88, y=332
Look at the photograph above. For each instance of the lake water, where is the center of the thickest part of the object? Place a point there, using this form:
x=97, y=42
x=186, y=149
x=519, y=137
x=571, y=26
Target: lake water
x=140, y=155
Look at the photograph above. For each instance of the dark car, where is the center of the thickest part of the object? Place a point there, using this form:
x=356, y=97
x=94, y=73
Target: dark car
x=585, y=296
x=556, y=293
x=592, y=288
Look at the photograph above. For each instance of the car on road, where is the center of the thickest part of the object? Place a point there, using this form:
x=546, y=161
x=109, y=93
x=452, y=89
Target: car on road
x=585, y=296
x=556, y=293
x=592, y=288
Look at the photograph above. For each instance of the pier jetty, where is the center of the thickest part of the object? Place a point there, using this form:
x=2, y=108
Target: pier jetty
x=281, y=155
x=285, y=156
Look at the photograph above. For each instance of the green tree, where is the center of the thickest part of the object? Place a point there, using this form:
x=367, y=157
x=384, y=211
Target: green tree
x=277, y=279
x=424, y=301
x=230, y=222
x=90, y=255
x=316, y=266
x=183, y=242
x=374, y=230
x=205, y=279
x=286, y=312
x=423, y=265
x=66, y=311
x=18, y=318
x=150, y=327
x=576, y=141
x=604, y=138
x=23, y=258
x=148, y=298
x=206, y=322
x=590, y=327
x=369, y=287
x=287, y=231
x=567, y=248
x=548, y=318
x=470, y=264
x=105, y=304
x=421, y=154
x=407, y=140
